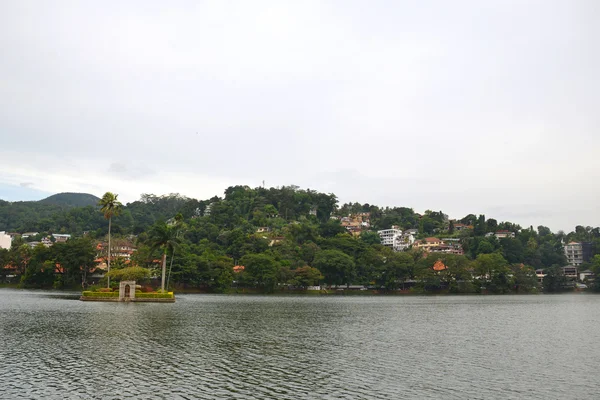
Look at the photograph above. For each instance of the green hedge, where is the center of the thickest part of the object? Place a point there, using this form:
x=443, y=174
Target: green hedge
x=154, y=295
x=88, y=293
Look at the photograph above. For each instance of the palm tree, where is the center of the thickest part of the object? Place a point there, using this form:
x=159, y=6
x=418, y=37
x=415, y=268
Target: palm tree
x=179, y=226
x=110, y=207
x=165, y=237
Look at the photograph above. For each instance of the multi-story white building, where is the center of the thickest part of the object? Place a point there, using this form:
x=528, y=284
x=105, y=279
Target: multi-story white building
x=406, y=240
x=5, y=240
x=391, y=237
x=574, y=253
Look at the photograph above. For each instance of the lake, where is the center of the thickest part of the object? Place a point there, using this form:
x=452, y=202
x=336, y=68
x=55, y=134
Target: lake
x=294, y=347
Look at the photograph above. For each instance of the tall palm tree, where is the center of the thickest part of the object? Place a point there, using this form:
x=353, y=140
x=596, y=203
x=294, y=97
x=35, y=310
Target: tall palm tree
x=110, y=207
x=179, y=225
x=164, y=237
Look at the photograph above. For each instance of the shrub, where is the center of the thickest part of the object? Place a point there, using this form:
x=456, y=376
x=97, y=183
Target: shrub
x=88, y=293
x=168, y=295
x=105, y=289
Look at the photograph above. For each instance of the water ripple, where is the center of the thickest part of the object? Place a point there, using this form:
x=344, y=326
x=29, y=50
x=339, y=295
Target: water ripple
x=259, y=347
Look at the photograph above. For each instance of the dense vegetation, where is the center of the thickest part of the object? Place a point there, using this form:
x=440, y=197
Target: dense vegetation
x=298, y=244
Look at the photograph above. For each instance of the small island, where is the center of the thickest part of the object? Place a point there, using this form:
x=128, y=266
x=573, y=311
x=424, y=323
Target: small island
x=128, y=292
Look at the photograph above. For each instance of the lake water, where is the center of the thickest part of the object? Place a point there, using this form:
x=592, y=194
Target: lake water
x=284, y=347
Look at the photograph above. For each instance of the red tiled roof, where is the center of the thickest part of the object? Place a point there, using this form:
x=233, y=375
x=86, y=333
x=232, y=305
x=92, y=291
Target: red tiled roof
x=238, y=268
x=439, y=266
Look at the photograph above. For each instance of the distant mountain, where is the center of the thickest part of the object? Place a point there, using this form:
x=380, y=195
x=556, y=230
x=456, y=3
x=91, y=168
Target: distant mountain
x=71, y=200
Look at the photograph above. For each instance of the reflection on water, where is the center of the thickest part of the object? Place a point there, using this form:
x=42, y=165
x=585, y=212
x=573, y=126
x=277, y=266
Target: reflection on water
x=270, y=347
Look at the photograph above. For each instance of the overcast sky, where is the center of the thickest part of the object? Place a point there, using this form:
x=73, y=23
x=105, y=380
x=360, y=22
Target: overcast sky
x=462, y=106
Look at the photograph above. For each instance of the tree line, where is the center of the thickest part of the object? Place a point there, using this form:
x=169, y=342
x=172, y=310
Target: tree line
x=297, y=245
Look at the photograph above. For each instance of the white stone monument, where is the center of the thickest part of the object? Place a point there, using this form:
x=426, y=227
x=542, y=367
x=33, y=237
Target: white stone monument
x=127, y=290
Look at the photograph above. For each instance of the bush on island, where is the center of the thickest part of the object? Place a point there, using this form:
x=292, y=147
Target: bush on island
x=164, y=295
x=88, y=293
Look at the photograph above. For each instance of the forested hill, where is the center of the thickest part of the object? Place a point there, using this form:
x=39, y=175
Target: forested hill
x=58, y=213
x=71, y=200
x=287, y=235
x=243, y=208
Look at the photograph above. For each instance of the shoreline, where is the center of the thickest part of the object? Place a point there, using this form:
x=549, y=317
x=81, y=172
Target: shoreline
x=312, y=293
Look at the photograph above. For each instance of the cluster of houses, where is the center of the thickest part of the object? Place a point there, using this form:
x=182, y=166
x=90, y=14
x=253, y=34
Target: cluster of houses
x=119, y=249
x=400, y=240
x=574, y=276
x=397, y=239
x=576, y=253
x=7, y=238
x=355, y=224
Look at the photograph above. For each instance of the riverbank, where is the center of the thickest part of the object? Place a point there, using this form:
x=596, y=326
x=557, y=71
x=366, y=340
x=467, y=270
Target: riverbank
x=313, y=293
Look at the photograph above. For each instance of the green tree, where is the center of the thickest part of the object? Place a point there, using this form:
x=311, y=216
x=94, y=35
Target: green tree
x=337, y=267
x=331, y=228
x=166, y=238
x=555, y=280
x=75, y=258
x=262, y=269
x=307, y=276
x=110, y=207
x=130, y=274
x=396, y=268
x=525, y=279
x=370, y=238
x=493, y=272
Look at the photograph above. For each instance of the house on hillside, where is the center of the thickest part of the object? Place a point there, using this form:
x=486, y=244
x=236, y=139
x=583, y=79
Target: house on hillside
x=504, y=234
x=406, y=240
x=587, y=275
x=427, y=243
x=570, y=272
x=578, y=252
x=539, y=273
x=391, y=237
x=458, y=227
x=61, y=237
x=119, y=248
x=275, y=240
x=5, y=240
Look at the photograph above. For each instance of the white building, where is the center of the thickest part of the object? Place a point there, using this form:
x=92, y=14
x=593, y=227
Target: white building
x=586, y=275
x=406, y=240
x=574, y=253
x=60, y=237
x=391, y=237
x=5, y=240
x=504, y=234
